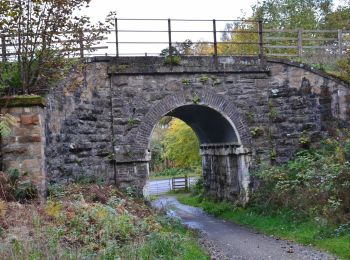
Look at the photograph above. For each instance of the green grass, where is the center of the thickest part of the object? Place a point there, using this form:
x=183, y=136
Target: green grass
x=283, y=224
x=174, y=242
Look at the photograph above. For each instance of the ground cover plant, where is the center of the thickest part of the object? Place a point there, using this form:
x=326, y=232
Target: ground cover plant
x=91, y=222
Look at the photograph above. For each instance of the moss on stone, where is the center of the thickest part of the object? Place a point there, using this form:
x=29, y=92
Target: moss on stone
x=22, y=101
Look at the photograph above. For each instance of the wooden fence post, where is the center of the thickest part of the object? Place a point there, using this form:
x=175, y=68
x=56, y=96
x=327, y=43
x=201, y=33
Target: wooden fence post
x=3, y=48
x=340, y=42
x=300, y=42
x=261, y=39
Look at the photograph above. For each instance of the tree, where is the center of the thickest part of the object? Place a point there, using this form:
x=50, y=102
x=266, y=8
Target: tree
x=338, y=19
x=292, y=14
x=44, y=33
x=240, y=38
x=181, y=145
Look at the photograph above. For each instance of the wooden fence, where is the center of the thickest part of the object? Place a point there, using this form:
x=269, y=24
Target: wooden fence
x=300, y=43
x=158, y=187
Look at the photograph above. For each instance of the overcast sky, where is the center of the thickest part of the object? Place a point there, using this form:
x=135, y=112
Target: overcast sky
x=179, y=9
x=194, y=9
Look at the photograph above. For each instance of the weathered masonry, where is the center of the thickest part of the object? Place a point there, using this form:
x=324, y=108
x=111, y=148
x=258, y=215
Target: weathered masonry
x=244, y=111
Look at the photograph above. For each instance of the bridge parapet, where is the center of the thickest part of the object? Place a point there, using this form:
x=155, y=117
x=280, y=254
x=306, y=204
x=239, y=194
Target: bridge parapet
x=187, y=64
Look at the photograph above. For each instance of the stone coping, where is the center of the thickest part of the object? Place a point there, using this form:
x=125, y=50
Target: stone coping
x=22, y=101
x=122, y=65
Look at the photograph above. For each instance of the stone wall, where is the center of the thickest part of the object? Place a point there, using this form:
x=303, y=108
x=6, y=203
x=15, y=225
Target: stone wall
x=99, y=124
x=24, y=149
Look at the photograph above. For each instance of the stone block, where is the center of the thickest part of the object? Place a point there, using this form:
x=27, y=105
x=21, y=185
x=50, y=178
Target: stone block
x=26, y=119
x=36, y=120
x=14, y=151
x=29, y=139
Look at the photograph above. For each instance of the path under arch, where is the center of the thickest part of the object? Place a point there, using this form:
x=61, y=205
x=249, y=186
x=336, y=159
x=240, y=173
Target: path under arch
x=232, y=241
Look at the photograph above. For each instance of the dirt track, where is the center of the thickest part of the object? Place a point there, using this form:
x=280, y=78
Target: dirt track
x=232, y=241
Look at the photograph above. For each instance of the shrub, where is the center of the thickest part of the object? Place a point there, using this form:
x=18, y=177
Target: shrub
x=315, y=182
x=344, y=66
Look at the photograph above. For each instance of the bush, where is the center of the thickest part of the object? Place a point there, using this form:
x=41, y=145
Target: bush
x=344, y=66
x=315, y=183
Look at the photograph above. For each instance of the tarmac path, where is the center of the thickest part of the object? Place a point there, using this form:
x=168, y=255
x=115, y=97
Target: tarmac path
x=234, y=241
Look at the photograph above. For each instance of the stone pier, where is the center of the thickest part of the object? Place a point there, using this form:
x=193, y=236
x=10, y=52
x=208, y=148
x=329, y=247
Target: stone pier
x=225, y=171
x=24, y=148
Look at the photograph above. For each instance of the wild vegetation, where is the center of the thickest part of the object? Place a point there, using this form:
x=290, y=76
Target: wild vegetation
x=306, y=199
x=91, y=222
x=175, y=150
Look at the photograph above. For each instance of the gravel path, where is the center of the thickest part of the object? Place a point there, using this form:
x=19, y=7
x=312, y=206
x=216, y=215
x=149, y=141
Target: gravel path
x=226, y=240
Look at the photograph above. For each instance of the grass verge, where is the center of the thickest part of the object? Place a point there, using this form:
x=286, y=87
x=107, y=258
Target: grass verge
x=284, y=224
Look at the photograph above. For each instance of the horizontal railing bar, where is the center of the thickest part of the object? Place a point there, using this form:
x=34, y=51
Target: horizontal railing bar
x=320, y=31
x=281, y=30
x=282, y=54
x=280, y=47
x=320, y=39
x=303, y=31
x=320, y=47
x=184, y=20
x=182, y=31
x=281, y=38
x=230, y=43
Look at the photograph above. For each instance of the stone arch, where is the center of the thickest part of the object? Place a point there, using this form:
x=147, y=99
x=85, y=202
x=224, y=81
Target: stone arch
x=206, y=98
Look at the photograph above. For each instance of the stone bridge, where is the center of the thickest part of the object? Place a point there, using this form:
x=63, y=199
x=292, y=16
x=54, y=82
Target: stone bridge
x=244, y=110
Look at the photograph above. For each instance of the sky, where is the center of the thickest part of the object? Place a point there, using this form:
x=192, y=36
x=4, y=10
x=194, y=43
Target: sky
x=160, y=9
x=190, y=9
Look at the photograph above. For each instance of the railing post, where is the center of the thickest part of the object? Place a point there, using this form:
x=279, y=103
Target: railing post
x=300, y=42
x=81, y=43
x=215, y=44
x=340, y=42
x=261, y=40
x=170, y=44
x=3, y=48
x=116, y=37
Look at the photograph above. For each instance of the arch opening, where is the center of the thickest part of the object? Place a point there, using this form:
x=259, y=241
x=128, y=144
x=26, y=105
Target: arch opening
x=208, y=124
x=223, y=159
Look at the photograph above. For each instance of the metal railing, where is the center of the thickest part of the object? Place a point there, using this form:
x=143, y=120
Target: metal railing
x=244, y=37
x=213, y=43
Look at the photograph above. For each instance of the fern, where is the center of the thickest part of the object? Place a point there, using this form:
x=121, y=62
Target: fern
x=6, y=122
